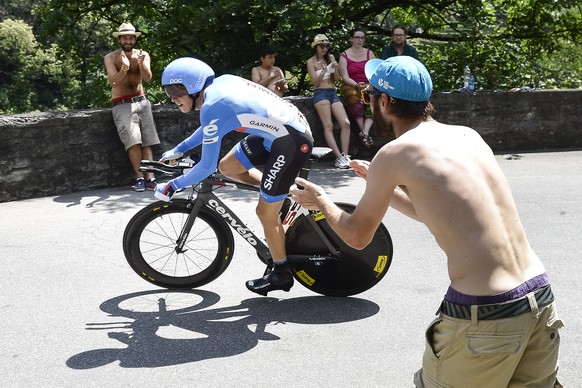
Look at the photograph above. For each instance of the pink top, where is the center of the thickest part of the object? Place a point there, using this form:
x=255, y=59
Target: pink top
x=356, y=69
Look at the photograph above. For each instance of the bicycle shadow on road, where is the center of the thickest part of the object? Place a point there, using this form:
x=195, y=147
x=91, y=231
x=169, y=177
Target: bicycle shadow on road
x=176, y=327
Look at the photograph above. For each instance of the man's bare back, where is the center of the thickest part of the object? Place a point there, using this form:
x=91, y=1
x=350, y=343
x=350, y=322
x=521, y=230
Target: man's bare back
x=457, y=189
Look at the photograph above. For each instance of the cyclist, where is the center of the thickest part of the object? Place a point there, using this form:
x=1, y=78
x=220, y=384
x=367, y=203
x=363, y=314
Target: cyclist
x=279, y=139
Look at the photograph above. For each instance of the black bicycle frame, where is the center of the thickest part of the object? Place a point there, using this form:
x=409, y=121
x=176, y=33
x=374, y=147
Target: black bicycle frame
x=206, y=197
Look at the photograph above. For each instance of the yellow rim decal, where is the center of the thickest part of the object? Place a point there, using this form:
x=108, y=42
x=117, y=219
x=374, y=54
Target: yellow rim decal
x=159, y=208
x=227, y=253
x=149, y=277
x=381, y=264
x=306, y=278
x=317, y=216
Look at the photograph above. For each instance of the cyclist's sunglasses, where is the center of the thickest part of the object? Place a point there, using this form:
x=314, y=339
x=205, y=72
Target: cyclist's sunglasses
x=175, y=90
x=366, y=93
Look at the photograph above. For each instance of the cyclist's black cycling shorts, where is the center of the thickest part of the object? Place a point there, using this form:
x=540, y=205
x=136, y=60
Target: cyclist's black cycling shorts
x=280, y=165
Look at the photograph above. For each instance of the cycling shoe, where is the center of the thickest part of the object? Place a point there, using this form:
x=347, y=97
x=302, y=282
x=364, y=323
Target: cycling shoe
x=274, y=280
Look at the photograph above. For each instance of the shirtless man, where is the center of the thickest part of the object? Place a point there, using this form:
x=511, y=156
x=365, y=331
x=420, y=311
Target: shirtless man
x=132, y=112
x=267, y=74
x=498, y=325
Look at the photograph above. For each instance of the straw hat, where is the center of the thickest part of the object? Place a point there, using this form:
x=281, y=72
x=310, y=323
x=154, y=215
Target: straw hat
x=126, y=29
x=320, y=39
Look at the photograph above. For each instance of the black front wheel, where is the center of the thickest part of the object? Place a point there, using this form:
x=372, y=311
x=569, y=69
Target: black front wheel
x=355, y=271
x=150, y=245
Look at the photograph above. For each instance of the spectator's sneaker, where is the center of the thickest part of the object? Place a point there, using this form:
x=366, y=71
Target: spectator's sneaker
x=151, y=184
x=347, y=159
x=139, y=185
x=343, y=161
x=274, y=280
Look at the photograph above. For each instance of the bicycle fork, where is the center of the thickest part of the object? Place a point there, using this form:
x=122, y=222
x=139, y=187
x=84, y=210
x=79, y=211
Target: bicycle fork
x=183, y=237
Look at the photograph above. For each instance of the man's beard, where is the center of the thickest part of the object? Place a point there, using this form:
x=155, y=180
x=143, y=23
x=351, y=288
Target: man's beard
x=127, y=47
x=383, y=127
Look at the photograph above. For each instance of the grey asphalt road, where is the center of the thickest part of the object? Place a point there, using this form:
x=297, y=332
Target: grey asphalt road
x=74, y=314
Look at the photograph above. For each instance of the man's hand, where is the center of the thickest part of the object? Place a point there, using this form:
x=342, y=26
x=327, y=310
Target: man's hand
x=140, y=57
x=164, y=191
x=307, y=196
x=360, y=167
x=124, y=61
x=171, y=155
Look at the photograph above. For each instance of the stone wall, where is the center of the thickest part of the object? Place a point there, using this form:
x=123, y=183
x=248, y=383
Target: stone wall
x=45, y=154
x=519, y=121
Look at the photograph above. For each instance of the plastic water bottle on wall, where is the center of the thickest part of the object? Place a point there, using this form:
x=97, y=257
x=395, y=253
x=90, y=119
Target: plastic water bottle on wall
x=471, y=83
x=466, y=77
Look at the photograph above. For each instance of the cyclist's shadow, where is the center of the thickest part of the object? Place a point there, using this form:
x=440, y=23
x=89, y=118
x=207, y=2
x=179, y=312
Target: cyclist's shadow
x=175, y=327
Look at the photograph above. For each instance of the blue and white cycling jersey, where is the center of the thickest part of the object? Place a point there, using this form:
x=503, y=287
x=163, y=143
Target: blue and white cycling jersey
x=233, y=103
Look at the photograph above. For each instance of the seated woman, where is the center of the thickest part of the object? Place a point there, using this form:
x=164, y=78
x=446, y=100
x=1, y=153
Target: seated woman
x=322, y=69
x=351, y=67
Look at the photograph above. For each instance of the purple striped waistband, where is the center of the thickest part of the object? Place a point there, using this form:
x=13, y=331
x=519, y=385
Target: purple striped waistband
x=516, y=293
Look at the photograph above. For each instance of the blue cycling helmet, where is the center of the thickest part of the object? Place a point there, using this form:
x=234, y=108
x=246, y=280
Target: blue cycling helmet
x=194, y=74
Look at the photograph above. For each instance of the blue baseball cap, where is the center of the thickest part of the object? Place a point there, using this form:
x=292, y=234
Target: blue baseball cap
x=400, y=77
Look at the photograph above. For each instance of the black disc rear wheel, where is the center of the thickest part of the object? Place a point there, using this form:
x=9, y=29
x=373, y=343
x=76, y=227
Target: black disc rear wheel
x=354, y=272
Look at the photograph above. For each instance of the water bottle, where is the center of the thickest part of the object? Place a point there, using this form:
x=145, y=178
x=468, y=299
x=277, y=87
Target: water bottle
x=466, y=77
x=472, y=83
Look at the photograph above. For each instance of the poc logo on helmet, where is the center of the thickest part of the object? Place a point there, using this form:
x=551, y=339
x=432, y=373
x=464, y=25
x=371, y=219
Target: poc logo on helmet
x=175, y=81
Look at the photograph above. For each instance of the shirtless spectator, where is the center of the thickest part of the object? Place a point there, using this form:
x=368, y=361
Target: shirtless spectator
x=267, y=74
x=132, y=113
x=497, y=325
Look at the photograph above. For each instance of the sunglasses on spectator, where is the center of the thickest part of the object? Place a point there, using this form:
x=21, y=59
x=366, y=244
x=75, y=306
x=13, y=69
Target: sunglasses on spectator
x=323, y=46
x=176, y=90
x=366, y=93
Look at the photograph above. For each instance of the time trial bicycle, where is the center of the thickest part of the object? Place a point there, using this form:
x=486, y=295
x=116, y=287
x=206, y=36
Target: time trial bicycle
x=188, y=242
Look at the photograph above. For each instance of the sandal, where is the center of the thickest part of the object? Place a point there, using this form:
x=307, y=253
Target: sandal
x=366, y=139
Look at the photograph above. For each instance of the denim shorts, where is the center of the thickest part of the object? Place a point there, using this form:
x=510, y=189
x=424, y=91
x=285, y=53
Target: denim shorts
x=325, y=94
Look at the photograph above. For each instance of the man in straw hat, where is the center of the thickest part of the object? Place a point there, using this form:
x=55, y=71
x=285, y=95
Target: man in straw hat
x=497, y=325
x=126, y=68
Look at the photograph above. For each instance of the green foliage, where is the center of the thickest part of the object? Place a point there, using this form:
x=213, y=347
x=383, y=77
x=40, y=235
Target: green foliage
x=18, y=10
x=31, y=76
x=507, y=43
